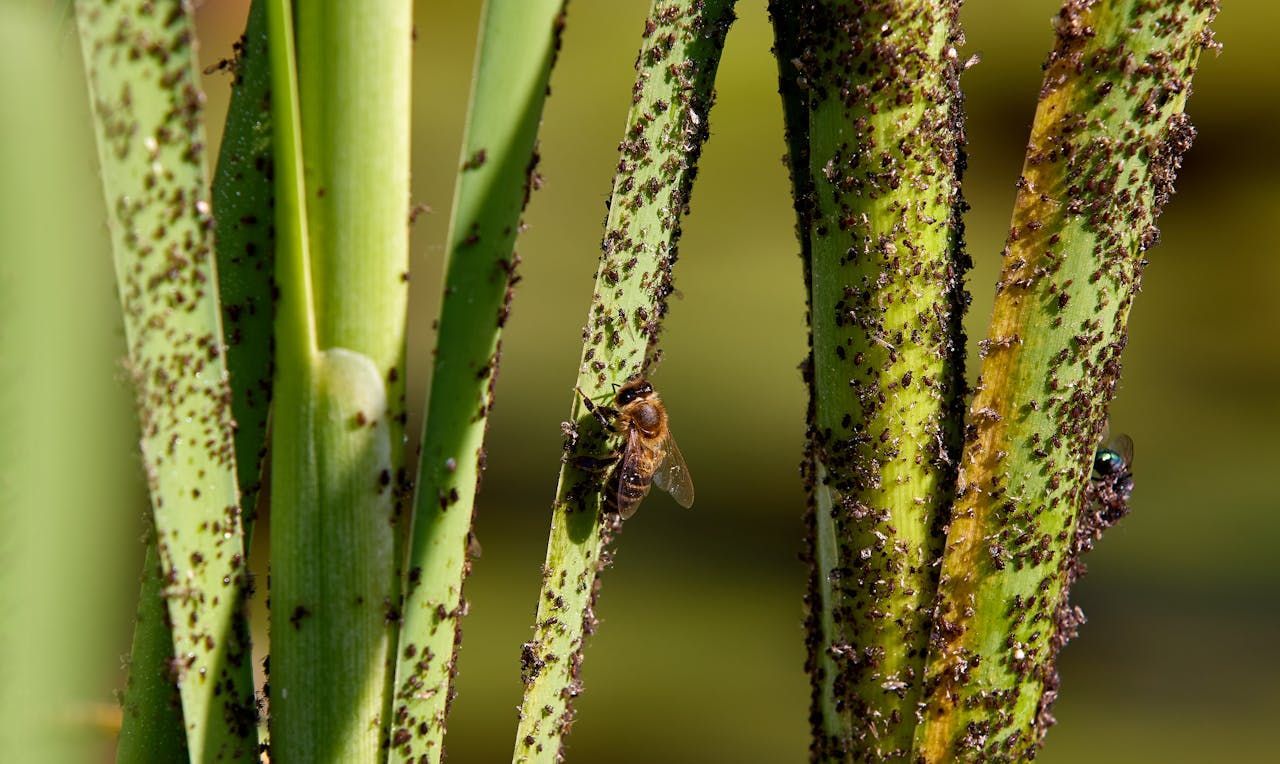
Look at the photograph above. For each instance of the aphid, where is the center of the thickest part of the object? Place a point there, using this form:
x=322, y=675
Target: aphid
x=650, y=455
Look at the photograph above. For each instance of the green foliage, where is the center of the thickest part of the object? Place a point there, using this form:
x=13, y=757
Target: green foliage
x=341, y=218
x=928, y=639
x=518, y=44
x=243, y=194
x=151, y=727
x=142, y=79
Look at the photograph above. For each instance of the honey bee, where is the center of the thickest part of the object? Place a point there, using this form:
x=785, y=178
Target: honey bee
x=650, y=455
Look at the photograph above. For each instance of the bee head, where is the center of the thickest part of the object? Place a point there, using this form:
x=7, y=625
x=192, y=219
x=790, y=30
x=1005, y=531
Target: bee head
x=636, y=388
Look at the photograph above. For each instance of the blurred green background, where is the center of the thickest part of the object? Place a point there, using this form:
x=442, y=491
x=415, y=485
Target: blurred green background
x=699, y=653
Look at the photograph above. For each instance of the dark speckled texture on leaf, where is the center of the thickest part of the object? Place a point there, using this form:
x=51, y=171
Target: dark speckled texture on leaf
x=147, y=105
x=666, y=127
x=243, y=196
x=875, y=133
x=1107, y=140
x=519, y=40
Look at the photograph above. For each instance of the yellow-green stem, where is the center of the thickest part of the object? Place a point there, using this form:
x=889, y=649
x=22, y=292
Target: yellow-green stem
x=870, y=91
x=1107, y=140
x=340, y=113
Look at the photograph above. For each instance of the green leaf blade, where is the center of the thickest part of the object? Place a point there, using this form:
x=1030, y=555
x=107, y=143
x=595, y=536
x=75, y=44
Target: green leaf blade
x=518, y=43
x=143, y=83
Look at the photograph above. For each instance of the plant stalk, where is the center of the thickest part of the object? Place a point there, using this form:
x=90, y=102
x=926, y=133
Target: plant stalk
x=342, y=157
x=1106, y=143
x=871, y=97
x=151, y=729
x=243, y=195
x=518, y=44
x=666, y=127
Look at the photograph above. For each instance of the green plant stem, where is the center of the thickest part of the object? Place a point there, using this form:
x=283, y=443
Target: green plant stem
x=147, y=105
x=341, y=137
x=879, y=113
x=666, y=127
x=518, y=44
x=1107, y=139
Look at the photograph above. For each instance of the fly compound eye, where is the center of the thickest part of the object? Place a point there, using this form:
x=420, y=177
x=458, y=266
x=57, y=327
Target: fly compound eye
x=1107, y=462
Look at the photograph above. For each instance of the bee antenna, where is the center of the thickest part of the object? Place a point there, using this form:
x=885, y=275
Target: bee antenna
x=592, y=408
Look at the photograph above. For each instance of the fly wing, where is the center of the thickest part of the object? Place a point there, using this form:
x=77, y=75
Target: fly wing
x=1123, y=445
x=673, y=474
x=630, y=466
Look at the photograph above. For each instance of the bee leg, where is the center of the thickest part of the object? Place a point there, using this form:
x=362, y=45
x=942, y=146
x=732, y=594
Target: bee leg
x=594, y=464
x=603, y=414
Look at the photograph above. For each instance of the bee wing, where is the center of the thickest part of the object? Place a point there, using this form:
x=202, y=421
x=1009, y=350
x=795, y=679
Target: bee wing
x=673, y=474
x=629, y=466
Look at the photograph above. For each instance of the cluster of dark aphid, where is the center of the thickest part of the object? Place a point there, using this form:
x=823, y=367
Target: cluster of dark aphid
x=1104, y=501
x=1106, y=496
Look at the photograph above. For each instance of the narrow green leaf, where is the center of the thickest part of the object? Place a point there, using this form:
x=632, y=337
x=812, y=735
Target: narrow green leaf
x=143, y=85
x=151, y=727
x=666, y=127
x=242, y=192
x=243, y=195
x=518, y=44
x=1107, y=140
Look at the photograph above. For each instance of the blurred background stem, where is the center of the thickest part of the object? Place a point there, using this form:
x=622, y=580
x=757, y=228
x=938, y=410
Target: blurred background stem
x=666, y=127
x=518, y=44
x=1107, y=141
x=879, y=118
x=68, y=503
x=141, y=68
x=341, y=130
